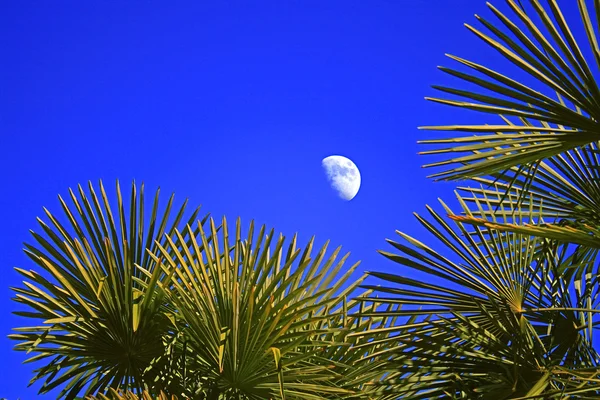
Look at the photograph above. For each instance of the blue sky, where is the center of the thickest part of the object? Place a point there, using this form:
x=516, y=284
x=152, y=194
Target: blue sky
x=231, y=104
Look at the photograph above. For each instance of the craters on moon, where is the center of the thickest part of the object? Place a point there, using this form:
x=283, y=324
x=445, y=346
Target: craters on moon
x=343, y=176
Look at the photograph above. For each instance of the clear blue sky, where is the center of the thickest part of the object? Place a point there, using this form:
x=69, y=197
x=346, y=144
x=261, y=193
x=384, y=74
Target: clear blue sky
x=233, y=104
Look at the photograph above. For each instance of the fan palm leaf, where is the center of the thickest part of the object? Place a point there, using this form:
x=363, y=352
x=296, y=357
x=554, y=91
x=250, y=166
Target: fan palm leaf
x=492, y=317
x=536, y=125
x=561, y=196
x=261, y=318
x=563, y=188
x=100, y=322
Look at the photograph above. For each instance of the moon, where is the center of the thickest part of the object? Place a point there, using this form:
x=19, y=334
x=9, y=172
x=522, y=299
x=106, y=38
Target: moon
x=343, y=176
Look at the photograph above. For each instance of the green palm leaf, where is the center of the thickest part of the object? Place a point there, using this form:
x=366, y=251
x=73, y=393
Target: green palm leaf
x=560, y=198
x=262, y=318
x=115, y=395
x=588, y=236
x=536, y=126
x=563, y=188
x=491, y=314
x=99, y=320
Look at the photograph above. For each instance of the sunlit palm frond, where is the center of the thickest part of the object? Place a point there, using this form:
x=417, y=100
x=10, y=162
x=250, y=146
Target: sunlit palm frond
x=260, y=317
x=585, y=235
x=536, y=125
x=511, y=208
x=492, y=315
x=115, y=395
x=563, y=188
x=97, y=325
x=561, y=198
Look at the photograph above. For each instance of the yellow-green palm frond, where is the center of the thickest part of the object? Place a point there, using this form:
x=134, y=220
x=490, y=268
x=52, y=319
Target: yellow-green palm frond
x=117, y=395
x=260, y=316
x=558, y=110
x=99, y=321
x=485, y=313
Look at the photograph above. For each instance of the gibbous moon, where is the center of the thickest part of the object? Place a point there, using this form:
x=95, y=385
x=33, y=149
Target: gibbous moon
x=343, y=175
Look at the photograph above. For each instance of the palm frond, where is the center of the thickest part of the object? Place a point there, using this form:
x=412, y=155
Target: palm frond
x=100, y=320
x=262, y=318
x=491, y=315
x=587, y=235
x=536, y=126
x=115, y=395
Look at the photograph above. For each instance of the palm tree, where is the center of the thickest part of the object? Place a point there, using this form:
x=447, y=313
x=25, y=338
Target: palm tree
x=138, y=304
x=508, y=302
